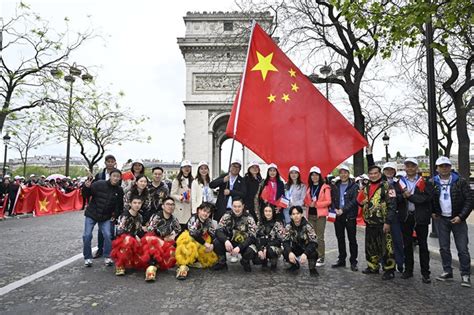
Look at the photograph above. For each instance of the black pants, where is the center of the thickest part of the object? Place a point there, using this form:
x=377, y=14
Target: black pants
x=248, y=253
x=378, y=248
x=298, y=250
x=422, y=234
x=341, y=225
x=271, y=255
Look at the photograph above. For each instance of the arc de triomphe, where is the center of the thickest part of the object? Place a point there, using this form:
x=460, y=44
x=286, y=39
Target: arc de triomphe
x=214, y=51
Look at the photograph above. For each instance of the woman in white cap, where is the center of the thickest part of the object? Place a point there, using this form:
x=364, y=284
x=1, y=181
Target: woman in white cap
x=295, y=191
x=128, y=178
x=318, y=200
x=200, y=191
x=270, y=192
x=181, y=193
x=252, y=180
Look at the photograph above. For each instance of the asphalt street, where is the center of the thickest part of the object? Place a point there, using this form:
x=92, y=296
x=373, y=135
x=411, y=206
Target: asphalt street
x=30, y=245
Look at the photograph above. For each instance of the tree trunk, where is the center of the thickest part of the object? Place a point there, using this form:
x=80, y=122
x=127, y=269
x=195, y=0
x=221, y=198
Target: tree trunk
x=3, y=117
x=359, y=124
x=464, y=167
x=25, y=161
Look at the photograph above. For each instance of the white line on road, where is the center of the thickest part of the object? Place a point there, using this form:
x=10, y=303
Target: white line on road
x=15, y=285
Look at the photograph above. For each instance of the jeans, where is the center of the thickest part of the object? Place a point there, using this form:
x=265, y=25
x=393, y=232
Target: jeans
x=286, y=214
x=460, y=239
x=396, y=229
x=100, y=238
x=341, y=225
x=105, y=228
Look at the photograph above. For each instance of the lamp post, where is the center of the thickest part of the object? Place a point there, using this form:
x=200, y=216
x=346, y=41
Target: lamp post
x=327, y=73
x=386, y=140
x=6, y=141
x=74, y=71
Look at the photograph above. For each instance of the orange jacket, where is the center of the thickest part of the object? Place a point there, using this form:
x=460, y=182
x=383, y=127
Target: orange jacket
x=323, y=202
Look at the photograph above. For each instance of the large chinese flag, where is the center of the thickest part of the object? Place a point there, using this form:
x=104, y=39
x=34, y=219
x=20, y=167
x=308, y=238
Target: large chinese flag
x=283, y=118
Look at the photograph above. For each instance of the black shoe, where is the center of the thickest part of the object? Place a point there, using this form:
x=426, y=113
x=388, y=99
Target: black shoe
x=97, y=254
x=407, y=275
x=388, y=275
x=264, y=264
x=293, y=267
x=313, y=272
x=220, y=266
x=338, y=264
x=400, y=268
x=445, y=276
x=426, y=279
x=354, y=268
x=246, y=265
x=368, y=271
x=273, y=267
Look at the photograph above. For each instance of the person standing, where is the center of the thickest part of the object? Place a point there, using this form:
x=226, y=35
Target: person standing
x=139, y=189
x=106, y=204
x=452, y=201
x=128, y=178
x=157, y=189
x=295, y=192
x=344, y=200
x=231, y=186
x=378, y=208
x=318, y=200
x=181, y=193
x=417, y=195
x=110, y=164
x=252, y=180
x=200, y=190
x=271, y=190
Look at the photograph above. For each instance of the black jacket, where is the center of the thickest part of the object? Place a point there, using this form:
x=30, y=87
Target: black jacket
x=351, y=207
x=106, y=202
x=100, y=175
x=422, y=201
x=251, y=187
x=461, y=198
x=239, y=190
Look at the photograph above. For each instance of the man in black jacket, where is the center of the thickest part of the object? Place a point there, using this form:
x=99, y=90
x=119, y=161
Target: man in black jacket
x=344, y=200
x=452, y=205
x=417, y=195
x=106, y=204
x=230, y=186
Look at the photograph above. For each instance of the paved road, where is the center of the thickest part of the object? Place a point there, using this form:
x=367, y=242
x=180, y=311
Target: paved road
x=32, y=244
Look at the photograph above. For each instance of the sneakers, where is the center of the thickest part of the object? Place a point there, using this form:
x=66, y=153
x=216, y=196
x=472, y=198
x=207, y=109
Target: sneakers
x=425, y=279
x=466, y=281
x=354, y=267
x=407, y=275
x=338, y=264
x=88, y=262
x=320, y=262
x=388, y=275
x=233, y=259
x=445, y=276
x=119, y=271
x=108, y=262
x=97, y=254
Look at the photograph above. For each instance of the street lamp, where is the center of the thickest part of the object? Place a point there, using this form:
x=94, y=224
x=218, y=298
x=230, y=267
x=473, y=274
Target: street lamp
x=386, y=140
x=6, y=141
x=74, y=71
x=327, y=73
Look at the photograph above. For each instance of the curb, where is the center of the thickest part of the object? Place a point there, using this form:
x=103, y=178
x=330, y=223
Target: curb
x=20, y=216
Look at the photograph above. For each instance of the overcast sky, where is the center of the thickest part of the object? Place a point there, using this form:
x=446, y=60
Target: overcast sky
x=141, y=57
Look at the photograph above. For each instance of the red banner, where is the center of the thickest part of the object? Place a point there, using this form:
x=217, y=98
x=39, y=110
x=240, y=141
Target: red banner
x=46, y=201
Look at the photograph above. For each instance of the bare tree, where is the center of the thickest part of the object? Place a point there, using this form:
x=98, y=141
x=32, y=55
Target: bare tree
x=29, y=48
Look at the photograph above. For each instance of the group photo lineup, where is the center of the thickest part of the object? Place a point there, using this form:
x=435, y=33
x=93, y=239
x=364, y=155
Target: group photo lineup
x=237, y=157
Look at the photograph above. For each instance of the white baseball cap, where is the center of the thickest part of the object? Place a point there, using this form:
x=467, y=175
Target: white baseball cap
x=236, y=161
x=6, y=176
x=294, y=168
x=401, y=173
x=443, y=160
x=344, y=167
x=272, y=165
x=390, y=165
x=253, y=163
x=315, y=169
x=185, y=163
x=411, y=160
x=32, y=175
x=203, y=163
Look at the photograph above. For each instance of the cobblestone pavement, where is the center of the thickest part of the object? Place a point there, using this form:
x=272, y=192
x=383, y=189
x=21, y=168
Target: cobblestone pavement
x=32, y=244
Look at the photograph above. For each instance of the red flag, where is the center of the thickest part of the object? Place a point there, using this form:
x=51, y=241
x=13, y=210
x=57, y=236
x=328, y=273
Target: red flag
x=283, y=118
x=25, y=200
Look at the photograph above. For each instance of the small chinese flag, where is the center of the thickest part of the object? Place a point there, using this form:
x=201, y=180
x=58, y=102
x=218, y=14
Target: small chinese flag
x=284, y=119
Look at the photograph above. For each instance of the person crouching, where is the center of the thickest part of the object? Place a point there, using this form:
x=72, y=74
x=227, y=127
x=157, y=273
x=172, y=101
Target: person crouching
x=269, y=236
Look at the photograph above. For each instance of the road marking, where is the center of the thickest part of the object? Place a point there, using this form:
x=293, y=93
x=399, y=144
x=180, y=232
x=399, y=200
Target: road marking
x=17, y=284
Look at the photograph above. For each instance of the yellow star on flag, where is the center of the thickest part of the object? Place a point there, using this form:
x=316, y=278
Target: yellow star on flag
x=292, y=73
x=271, y=98
x=43, y=204
x=264, y=65
x=285, y=97
x=294, y=87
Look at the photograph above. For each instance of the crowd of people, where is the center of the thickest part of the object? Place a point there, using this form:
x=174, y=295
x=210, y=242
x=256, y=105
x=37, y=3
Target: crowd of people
x=145, y=224
x=9, y=187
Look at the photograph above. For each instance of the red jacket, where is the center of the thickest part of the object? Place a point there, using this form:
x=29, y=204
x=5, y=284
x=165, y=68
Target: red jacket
x=323, y=202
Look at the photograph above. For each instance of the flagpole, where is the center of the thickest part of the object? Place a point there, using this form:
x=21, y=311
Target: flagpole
x=239, y=100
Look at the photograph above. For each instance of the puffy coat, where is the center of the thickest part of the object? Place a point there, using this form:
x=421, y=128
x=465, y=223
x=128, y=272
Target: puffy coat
x=106, y=202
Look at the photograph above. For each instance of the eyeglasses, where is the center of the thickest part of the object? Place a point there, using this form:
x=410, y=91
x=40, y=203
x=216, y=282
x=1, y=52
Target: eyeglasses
x=170, y=204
